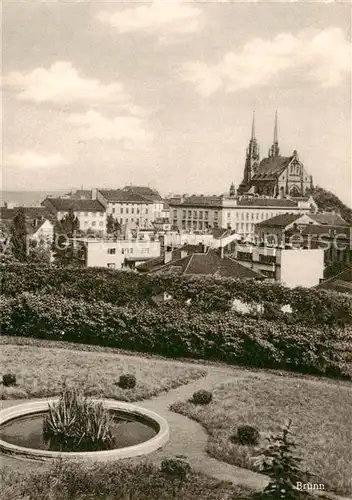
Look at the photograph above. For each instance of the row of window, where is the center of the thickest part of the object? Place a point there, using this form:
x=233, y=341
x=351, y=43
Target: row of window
x=133, y=210
x=196, y=225
x=93, y=214
x=112, y=251
x=93, y=223
x=200, y=214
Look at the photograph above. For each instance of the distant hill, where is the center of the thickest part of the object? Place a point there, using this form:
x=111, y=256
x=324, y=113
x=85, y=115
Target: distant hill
x=326, y=200
x=27, y=198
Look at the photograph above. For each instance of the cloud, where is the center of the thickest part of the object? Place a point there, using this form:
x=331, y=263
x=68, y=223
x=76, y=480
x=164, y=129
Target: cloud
x=161, y=18
x=31, y=160
x=320, y=57
x=62, y=84
x=129, y=131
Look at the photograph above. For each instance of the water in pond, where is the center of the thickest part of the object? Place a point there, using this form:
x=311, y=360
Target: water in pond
x=27, y=431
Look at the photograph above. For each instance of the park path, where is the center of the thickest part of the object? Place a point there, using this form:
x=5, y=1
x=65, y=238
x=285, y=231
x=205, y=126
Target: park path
x=188, y=439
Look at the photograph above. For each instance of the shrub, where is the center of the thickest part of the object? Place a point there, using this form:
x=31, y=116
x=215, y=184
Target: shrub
x=175, y=468
x=246, y=435
x=127, y=381
x=9, y=379
x=202, y=397
x=76, y=423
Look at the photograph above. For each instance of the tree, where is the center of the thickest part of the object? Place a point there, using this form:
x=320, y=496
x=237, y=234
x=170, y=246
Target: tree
x=112, y=225
x=279, y=463
x=66, y=250
x=326, y=200
x=19, y=236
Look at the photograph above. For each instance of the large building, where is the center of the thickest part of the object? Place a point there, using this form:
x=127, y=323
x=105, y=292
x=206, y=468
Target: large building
x=239, y=213
x=275, y=175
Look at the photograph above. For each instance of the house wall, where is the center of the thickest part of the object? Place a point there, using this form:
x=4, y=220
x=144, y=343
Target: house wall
x=112, y=254
x=45, y=232
x=95, y=221
x=141, y=213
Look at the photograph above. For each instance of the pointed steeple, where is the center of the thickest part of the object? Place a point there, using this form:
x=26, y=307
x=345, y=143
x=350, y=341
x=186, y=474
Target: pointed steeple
x=253, y=127
x=274, y=150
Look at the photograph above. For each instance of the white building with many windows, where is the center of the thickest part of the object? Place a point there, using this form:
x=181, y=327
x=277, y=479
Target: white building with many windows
x=201, y=213
x=91, y=214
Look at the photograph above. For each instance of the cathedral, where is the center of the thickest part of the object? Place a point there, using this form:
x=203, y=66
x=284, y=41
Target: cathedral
x=275, y=176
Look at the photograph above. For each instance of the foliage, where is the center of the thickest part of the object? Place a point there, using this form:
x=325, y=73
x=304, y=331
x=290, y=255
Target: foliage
x=309, y=306
x=76, y=423
x=19, y=235
x=202, y=397
x=326, y=200
x=124, y=480
x=9, y=379
x=180, y=332
x=279, y=463
x=247, y=435
x=127, y=381
x=112, y=225
x=175, y=468
x=67, y=252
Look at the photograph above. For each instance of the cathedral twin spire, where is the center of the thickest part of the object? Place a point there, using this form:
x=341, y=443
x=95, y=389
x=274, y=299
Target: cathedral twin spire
x=253, y=146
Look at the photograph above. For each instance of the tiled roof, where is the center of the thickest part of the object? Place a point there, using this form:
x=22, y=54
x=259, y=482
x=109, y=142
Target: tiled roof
x=198, y=201
x=120, y=195
x=342, y=282
x=281, y=220
x=145, y=191
x=329, y=219
x=266, y=202
x=271, y=168
x=158, y=262
x=66, y=204
x=30, y=212
x=317, y=230
x=209, y=264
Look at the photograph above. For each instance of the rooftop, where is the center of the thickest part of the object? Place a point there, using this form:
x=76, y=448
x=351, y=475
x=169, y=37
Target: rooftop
x=329, y=219
x=271, y=168
x=342, y=282
x=124, y=196
x=281, y=220
x=30, y=213
x=145, y=191
x=66, y=204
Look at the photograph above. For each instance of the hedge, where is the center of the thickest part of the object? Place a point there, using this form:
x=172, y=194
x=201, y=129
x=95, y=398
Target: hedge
x=180, y=332
x=310, y=306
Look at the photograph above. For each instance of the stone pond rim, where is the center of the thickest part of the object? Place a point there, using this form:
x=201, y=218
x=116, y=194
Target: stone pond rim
x=38, y=406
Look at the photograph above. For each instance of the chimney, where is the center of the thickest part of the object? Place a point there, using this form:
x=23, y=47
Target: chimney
x=94, y=193
x=221, y=252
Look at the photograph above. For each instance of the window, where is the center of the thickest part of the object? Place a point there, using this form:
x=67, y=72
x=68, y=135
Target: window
x=126, y=210
x=137, y=210
x=228, y=215
x=146, y=210
x=94, y=214
x=85, y=223
x=112, y=265
x=121, y=210
x=267, y=259
x=101, y=223
x=183, y=214
x=132, y=210
x=237, y=215
x=216, y=225
x=195, y=214
x=131, y=250
x=94, y=223
x=200, y=214
x=216, y=215
x=113, y=210
x=206, y=214
x=268, y=274
x=189, y=214
x=111, y=251
x=121, y=220
x=247, y=216
x=257, y=216
x=183, y=224
x=252, y=216
x=244, y=256
x=132, y=220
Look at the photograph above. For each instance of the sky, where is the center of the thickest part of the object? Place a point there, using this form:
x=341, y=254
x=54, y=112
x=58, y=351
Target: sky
x=162, y=93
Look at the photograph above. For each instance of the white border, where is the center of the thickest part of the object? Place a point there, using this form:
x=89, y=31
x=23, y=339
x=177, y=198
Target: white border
x=99, y=456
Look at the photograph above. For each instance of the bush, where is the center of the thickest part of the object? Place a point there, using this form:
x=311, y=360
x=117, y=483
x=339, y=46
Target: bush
x=127, y=381
x=311, y=306
x=247, y=435
x=175, y=468
x=9, y=379
x=202, y=397
x=176, y=331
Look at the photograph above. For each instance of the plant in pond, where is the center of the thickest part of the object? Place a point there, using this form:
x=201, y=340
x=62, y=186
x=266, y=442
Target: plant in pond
x=283, y=467
x=76, y=423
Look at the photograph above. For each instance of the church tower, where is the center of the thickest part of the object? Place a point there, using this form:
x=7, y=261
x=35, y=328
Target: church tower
x=275, y=150
x=252, y=160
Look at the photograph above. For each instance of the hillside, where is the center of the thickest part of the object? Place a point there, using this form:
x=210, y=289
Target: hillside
x=328, y=201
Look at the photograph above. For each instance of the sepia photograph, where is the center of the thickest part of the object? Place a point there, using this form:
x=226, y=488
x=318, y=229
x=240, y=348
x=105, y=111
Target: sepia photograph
x=176, y=250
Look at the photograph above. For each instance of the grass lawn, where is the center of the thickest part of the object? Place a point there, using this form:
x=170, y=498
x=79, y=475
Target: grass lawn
x=321, y=418
x=122, y=481
x=41, y=371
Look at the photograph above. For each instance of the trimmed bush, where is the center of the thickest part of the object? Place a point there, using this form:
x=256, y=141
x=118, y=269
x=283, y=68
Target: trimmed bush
x=201, y=397
x=175, y=468
x=176, y=331
x=127, y=381
x=247, y=435
x=9, y=379
x=310, y=306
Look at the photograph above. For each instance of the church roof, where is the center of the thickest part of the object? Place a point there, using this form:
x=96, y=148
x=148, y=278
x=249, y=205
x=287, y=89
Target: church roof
x=271, y=168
